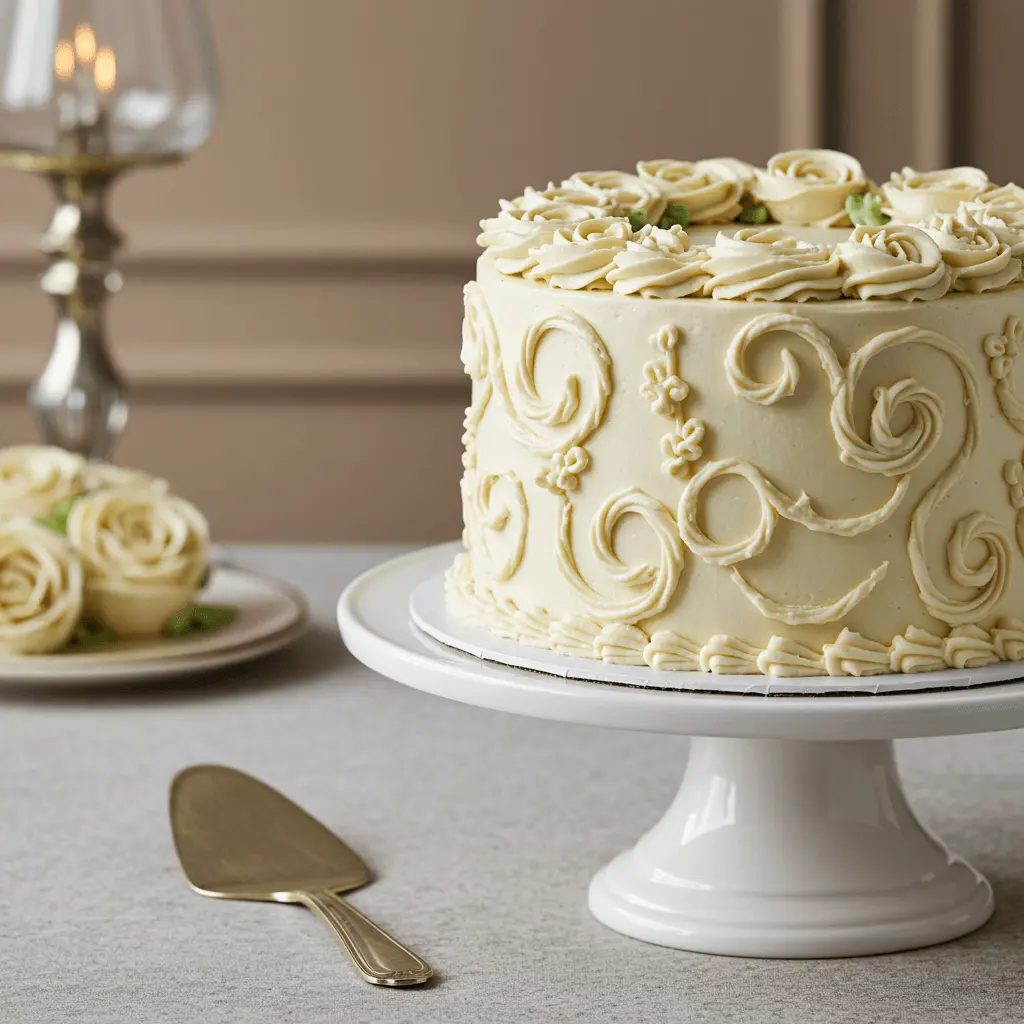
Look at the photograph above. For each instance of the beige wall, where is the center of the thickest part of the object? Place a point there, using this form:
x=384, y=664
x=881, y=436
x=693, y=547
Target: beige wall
x=290, y=320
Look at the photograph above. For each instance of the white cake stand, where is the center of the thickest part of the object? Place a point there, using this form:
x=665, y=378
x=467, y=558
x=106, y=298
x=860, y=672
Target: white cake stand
x=791, y=835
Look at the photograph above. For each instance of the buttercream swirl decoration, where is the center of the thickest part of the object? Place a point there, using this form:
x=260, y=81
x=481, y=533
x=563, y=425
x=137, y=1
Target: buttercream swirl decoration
x=893, y=262
x=544, y=425
x=1002, y=351
x=41, y=585
x=1005, y=222
x=35, y=478
x=494, y=506
x=531, y=221
x=624, y=192
x=977, y=259
x=582, y=259
x=144, y=554
x=912, y=196
x=649, y=586
x=769, y=265
x=666, y=390
x=711, y=190
x=659, y=264
x=888, y=450
x=808, y=187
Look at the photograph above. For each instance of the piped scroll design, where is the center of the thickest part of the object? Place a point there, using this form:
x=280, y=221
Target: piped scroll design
x=544, y=425
x=494, y=506
x=651, y=585
x=1002, y=351
x=666, y=390
x=885, y=451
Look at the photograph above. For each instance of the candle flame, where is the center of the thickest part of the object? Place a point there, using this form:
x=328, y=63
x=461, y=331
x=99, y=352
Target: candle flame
x=105, y=70
x=85, y=43
x=64, y=60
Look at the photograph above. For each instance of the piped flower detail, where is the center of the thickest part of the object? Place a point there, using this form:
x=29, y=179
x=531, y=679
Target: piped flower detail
x=564, y=469
x=665, y=391
x=683, y=447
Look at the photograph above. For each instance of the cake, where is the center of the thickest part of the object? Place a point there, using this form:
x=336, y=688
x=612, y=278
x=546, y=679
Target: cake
x=745, y=420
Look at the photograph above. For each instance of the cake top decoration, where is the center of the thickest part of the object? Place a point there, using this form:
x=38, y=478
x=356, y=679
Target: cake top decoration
x=783, y=231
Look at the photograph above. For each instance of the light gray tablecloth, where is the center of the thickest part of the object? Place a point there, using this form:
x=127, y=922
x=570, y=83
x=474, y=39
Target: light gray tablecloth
x=484, y=830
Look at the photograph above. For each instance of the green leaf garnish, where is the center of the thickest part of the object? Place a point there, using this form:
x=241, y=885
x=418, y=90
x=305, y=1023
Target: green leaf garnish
x=866, y=210
x=57, y=519
x=756, y=213
x=204, y=580
x=90, y=632
x=200, y=618
x=637, y=219
x=675, y=213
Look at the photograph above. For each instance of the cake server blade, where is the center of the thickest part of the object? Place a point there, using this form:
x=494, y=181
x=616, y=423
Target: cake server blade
x=237, y=838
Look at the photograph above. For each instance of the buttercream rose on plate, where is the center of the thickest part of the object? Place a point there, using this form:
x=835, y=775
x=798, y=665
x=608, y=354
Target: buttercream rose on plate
x=35, y=478
x=41, y=588
x=144, y=552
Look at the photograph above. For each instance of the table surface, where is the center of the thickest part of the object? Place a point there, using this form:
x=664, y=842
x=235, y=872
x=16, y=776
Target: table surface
x=483, y=830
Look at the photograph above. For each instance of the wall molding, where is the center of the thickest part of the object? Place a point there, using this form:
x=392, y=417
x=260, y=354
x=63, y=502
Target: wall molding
x=279, y=250
x=295, y=364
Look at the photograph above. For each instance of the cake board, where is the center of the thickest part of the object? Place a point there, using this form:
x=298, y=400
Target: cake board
x=790, y=836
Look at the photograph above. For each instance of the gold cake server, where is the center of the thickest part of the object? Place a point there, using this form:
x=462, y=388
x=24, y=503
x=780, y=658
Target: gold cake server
x=239, y=839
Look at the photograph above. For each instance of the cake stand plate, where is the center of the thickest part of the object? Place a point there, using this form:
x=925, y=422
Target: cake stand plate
x=791, y=835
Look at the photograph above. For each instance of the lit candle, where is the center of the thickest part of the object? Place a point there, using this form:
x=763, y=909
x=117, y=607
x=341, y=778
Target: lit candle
x=105, y=70
x=85, y=44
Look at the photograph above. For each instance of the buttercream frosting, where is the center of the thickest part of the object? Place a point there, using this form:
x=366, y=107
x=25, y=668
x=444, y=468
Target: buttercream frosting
x=977, y=259
x=582, y=259
x=771, y=265
x=659, y=264
x=710, y=189
x=894, y=261
x=912, y=196
x=809, y=186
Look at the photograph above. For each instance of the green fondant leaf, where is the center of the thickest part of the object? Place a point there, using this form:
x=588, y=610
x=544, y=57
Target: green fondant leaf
x=200, y=618
x=90, y=632
x=866, y=210
x=757, y=213
x=675, y=213
x=637, y=219
x=57, y=519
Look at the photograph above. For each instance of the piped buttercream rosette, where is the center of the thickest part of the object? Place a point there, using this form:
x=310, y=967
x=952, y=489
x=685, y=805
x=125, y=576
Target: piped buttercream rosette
x=770, y=265
x=977, y=259
x=659, y=264
x=34, y=478
x=911, y=196
x=893, y=262
x=808, y=187
x=41, y=588
x=711, y=190
x=144, y=554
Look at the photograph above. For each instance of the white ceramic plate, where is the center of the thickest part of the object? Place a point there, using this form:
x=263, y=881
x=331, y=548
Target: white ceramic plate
x=270, y=616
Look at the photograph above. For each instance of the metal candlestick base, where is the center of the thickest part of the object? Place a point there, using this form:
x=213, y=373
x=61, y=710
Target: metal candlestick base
x=79, y=400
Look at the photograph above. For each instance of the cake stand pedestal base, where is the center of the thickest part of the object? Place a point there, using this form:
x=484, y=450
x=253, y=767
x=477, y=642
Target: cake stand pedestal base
x=790, y=849
x=790, y=836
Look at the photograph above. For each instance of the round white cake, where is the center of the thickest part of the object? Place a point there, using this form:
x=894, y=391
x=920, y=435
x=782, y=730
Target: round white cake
x=718, y=427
